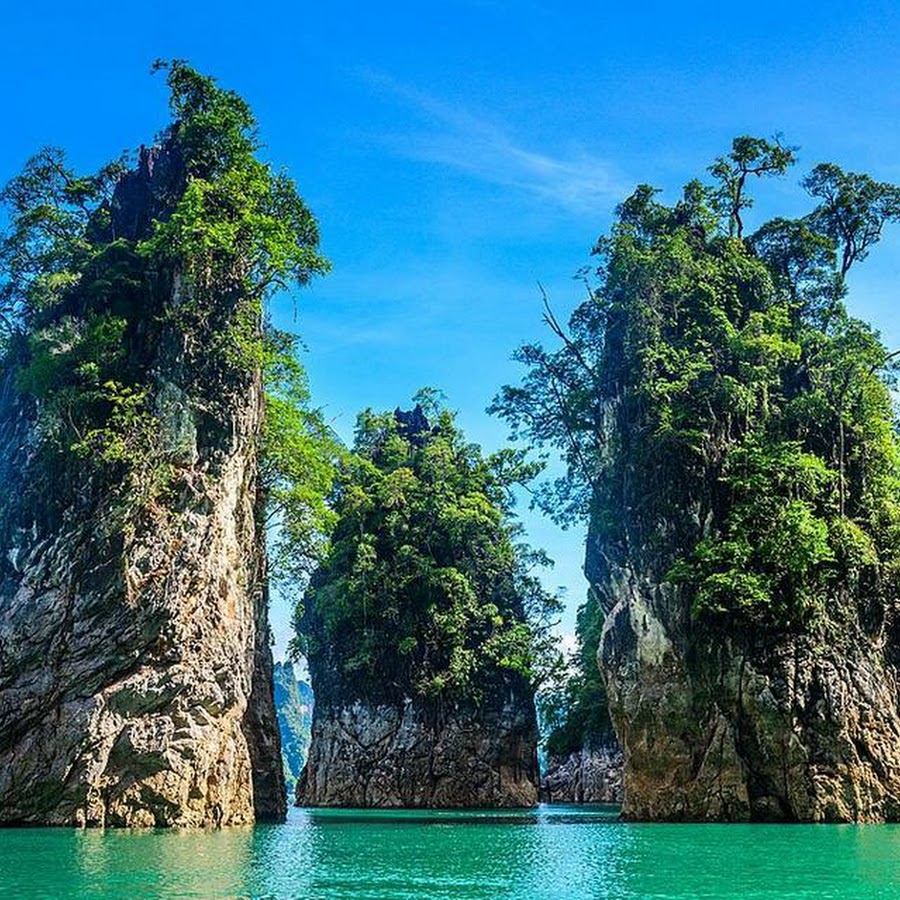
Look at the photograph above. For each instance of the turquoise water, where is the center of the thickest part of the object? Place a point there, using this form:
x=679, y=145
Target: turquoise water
x=554, y=853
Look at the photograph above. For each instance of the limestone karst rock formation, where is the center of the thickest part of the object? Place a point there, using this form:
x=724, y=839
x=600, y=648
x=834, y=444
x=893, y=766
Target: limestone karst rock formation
x=414, y=704
x=408, y=753
x=589, y=774
x=729, y=429
x=756, y=727
x=135, y=661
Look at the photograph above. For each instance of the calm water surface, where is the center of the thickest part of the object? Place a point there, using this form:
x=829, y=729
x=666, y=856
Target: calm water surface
x=554, y=853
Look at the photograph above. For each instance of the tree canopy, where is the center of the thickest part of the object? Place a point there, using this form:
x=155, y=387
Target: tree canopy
x=425, y=589
x=87, y=289
x=723, y=418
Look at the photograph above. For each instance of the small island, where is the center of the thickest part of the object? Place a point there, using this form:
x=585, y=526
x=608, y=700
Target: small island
x=423, y=628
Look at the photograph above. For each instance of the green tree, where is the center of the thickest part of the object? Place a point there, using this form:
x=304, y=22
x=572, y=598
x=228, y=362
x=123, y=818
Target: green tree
x=574, y=707
x=726, y=424
x=749, y=156
x=83, y=303
x=425, y=589
x=852, y=211
x=298, y=458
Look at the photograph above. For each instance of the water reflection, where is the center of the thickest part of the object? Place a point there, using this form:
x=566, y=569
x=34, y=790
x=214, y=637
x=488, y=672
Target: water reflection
x=60, y=863
x=542, y=815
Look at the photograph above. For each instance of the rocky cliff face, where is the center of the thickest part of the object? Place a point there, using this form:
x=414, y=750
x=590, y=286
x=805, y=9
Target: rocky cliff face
x=135, y=667
x=752, y=727
x=378, y=749
x=409, y=755
x=592, y=774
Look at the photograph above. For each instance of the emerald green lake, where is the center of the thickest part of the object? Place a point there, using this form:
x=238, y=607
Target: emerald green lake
x=555, y=853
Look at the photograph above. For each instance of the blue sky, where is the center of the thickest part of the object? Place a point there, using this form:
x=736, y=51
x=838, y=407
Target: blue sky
x=457, y=153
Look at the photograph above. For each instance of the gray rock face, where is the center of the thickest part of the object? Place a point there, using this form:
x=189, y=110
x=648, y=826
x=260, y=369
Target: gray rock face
x=135, y=667
x=408, y=755
x=755, y=727
x=589, y=775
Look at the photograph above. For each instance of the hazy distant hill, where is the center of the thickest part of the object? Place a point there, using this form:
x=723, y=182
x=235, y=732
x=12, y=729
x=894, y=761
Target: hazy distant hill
x=293, y=703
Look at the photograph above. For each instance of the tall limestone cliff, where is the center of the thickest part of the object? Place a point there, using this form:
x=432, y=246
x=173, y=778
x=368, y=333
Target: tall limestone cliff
x=751, y=643
x=135, y=661
x=731, y=436
x=418, y=631
x=135, y=667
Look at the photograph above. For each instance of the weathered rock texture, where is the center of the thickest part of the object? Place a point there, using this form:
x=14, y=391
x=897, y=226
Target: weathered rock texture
x=748, y=727
x=411, y=755
x=591, y=774
x=135, y=666
x=376, y=748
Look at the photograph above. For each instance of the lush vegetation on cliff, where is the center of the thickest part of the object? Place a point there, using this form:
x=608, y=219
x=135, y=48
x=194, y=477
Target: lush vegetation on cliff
x=424, y=589
x=96, y=270
x=722, y=415
x=574, y=708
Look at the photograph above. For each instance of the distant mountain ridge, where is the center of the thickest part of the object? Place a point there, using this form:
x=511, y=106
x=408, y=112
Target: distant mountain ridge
x=293, y=705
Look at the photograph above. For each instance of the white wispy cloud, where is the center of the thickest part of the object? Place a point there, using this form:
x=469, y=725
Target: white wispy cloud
x=452, y=136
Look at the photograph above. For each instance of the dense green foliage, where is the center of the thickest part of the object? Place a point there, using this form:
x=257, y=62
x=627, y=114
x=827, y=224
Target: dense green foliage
x=67, y=293
x=297, y=462
x=238, y=226
x=424, y=589
x=574, y=708
x=82, y=308
x=724, y=419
